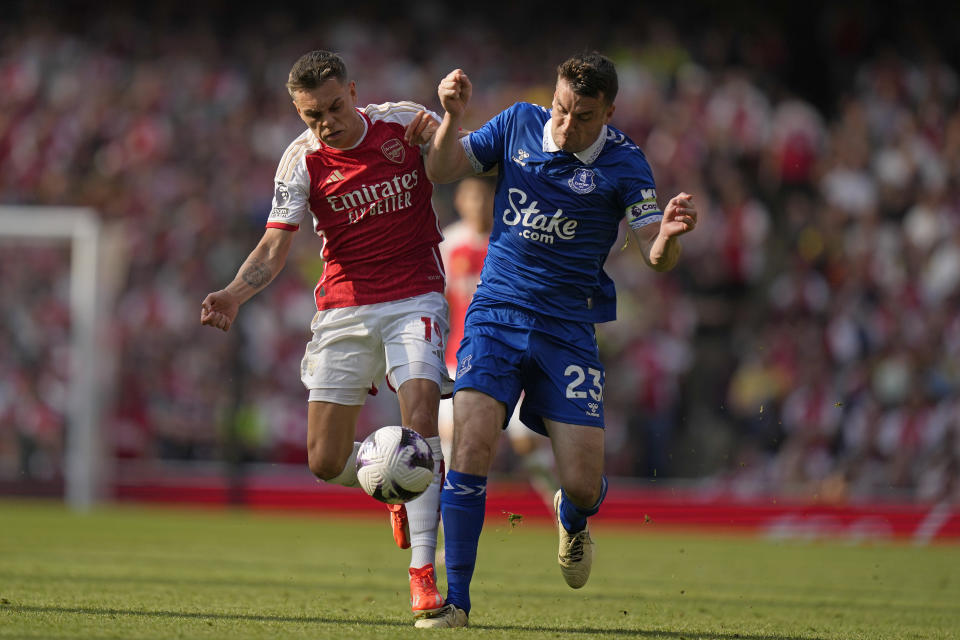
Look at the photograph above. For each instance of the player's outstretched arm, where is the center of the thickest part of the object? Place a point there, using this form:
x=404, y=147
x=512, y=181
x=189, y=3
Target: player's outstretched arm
x=446, y=160
x=219, y=309
x=661, y=244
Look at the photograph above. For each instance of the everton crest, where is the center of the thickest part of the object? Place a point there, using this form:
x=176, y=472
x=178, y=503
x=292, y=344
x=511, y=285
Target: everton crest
x=582, y=181
x=393, y=150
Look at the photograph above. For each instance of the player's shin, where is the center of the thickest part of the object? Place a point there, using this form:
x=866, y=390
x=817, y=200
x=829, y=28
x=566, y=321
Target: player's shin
x=423, y=518
x=423, y=513
x=462, y=504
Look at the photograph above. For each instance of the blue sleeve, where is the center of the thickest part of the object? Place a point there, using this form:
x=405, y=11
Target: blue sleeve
x=640, y=194
x=484, y=147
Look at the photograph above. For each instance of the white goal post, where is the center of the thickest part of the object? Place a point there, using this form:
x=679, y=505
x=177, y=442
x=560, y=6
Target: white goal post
x=85, y=462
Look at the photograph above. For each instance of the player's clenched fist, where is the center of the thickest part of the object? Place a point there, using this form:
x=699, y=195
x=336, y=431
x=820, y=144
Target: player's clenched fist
x=218, y=310
x=454, y=92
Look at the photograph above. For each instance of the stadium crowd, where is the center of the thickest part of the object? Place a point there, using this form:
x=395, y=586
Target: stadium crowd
x=808, y=342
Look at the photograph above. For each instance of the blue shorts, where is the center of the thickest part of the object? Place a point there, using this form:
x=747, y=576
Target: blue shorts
x=555, y=363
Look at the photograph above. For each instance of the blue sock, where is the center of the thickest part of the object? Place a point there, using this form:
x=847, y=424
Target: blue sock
x=462, y=504
x=574, y=518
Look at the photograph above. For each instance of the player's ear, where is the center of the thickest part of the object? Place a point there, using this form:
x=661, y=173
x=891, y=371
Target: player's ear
x=353, y=92
x=609, y=113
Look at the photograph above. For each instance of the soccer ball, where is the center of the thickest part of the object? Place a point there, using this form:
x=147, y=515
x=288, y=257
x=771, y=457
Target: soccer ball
x=394, y=464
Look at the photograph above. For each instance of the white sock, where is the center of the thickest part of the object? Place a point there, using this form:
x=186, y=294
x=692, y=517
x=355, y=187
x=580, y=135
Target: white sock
x=424, y=514
x=348, y=476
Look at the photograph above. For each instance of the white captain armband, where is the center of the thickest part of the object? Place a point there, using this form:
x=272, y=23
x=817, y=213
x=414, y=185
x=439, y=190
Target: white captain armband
x=645, y=212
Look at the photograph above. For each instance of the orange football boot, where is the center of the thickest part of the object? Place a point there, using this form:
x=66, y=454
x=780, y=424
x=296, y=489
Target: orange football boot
x=400, y=524
x=424, y=597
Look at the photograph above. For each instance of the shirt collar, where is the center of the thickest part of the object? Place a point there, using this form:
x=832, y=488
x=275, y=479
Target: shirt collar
x=587, y=156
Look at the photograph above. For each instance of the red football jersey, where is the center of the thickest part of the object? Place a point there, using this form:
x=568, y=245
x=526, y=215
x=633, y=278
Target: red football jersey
x=371, y=204
x=463, y=250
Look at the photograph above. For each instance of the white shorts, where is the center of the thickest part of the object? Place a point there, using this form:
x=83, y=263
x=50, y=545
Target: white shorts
x=353, y=348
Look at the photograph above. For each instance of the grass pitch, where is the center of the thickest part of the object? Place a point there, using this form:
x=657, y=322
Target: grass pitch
x=132, y=573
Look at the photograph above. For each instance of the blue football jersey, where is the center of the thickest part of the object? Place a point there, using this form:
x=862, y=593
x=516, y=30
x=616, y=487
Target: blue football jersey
x=556, y=214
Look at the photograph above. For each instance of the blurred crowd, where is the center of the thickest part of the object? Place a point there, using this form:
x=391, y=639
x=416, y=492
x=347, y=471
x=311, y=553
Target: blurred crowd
x=808, y=343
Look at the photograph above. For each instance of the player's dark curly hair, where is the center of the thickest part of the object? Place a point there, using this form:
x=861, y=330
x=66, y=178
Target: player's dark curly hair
x=314, y=68
x=591, y=74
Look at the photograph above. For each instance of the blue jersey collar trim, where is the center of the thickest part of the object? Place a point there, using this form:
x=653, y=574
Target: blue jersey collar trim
x=587, y=156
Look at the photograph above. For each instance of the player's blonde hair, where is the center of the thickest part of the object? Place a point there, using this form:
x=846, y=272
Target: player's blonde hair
x=313, y=69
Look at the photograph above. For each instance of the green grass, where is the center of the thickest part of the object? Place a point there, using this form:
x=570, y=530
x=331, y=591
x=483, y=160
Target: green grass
x=132, y=573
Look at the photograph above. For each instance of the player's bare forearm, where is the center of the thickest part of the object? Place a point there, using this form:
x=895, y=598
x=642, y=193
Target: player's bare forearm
x=446, y=160
x=255, y=274
x=219, y=309
x=664, y=253
x=663, y=245
x=262, y=265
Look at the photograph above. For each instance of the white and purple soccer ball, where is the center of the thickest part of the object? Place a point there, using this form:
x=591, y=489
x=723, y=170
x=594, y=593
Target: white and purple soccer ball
x=394, y=464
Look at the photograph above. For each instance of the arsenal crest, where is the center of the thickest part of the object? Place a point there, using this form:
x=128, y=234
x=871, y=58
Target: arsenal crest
x=393, y=150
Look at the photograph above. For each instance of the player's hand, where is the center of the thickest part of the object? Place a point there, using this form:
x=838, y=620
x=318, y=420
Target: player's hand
x=454, y=92
x=421, y=129
x=679, y=217
x=219, y=309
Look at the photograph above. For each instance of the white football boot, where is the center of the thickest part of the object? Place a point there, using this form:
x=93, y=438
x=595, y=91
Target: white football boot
x=448, y=617
x=576, y=551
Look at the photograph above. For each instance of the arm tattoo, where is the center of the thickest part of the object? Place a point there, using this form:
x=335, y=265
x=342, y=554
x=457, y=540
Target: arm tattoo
x=257, y=274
